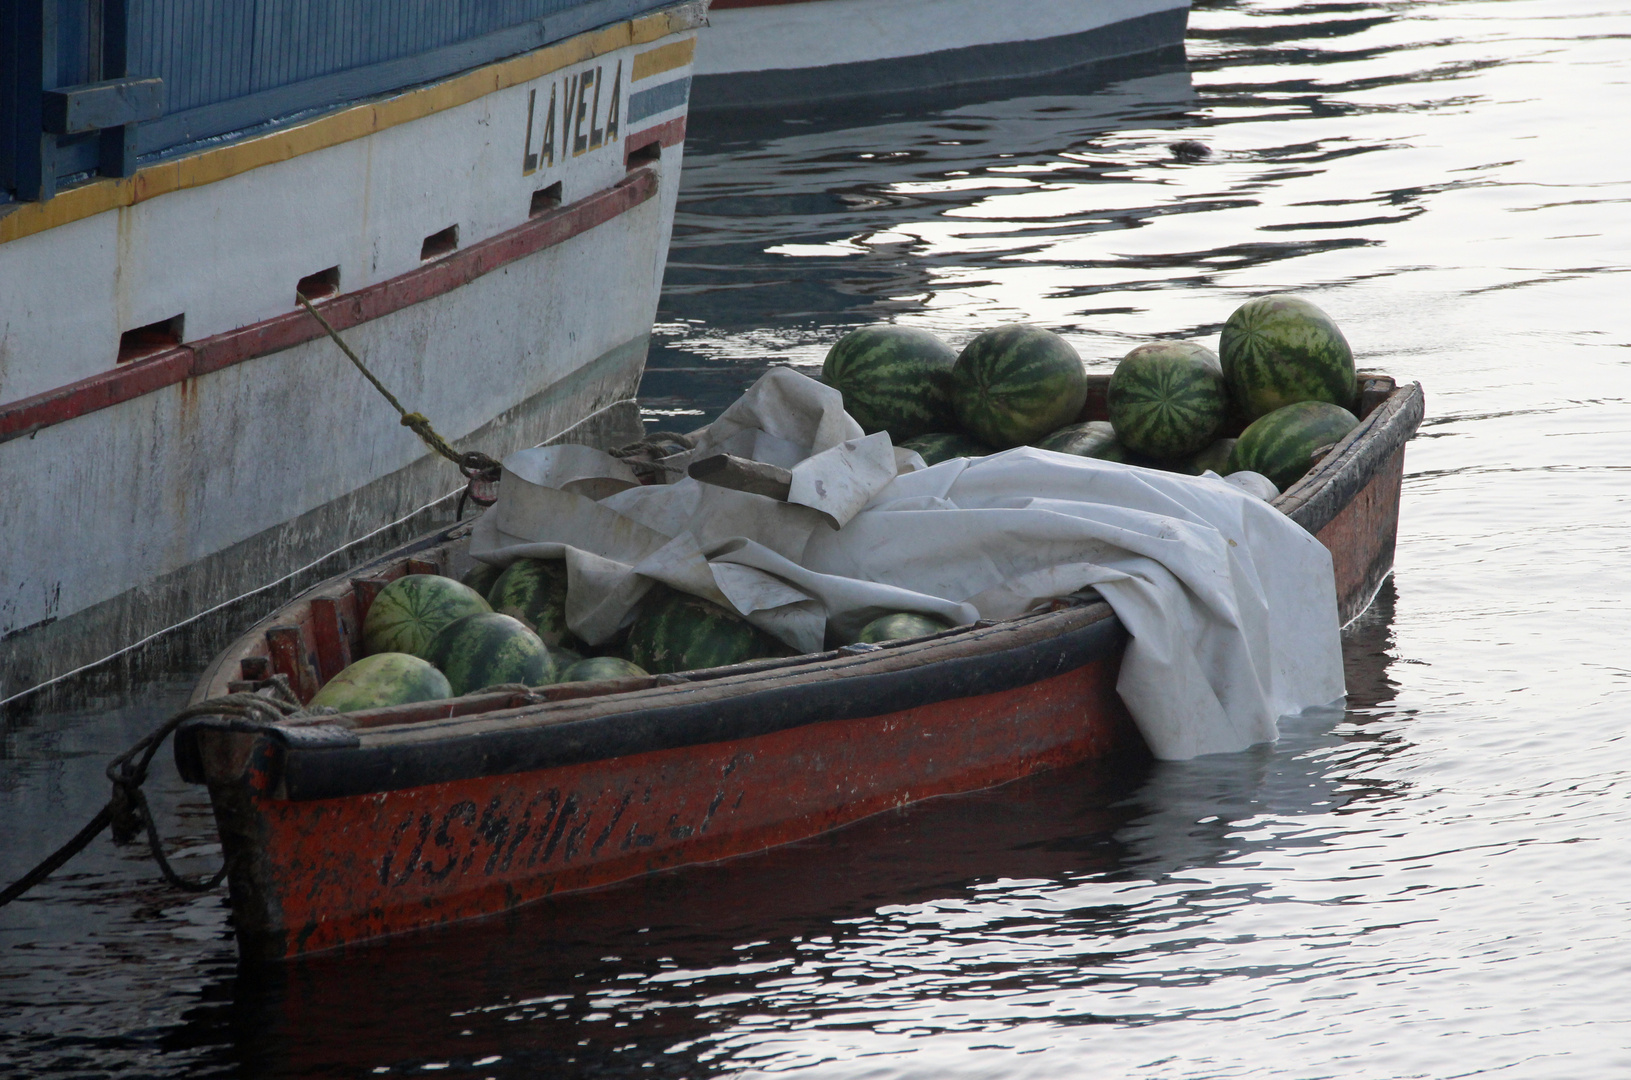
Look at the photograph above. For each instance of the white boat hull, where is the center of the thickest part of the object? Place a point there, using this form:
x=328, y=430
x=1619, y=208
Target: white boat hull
x=139, y=495
x=756, y=53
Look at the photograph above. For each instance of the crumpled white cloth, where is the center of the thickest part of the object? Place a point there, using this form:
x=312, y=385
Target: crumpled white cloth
x=1231, y=606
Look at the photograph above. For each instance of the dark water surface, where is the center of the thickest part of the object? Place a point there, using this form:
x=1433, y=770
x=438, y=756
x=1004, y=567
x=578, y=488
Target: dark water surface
x=1437, y=884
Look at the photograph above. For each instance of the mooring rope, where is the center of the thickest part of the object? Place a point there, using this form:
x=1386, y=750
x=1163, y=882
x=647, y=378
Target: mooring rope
x=127, y=811
x=473, y=463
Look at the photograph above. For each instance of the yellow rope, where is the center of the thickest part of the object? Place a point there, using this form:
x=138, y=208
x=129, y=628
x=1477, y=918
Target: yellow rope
x=471, y=461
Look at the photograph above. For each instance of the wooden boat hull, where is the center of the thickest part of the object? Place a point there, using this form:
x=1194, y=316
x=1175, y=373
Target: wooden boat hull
x=344, y=829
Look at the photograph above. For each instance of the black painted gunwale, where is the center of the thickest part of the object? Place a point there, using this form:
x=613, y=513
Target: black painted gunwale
x=332, y=762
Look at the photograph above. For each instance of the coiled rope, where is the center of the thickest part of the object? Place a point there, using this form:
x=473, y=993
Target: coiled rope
x=127, y=810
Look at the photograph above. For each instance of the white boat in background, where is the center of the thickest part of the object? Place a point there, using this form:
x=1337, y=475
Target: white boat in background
x=766, y=53
x=480, y=202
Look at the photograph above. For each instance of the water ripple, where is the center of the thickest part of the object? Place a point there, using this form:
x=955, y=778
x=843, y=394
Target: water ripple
x=1431, y=884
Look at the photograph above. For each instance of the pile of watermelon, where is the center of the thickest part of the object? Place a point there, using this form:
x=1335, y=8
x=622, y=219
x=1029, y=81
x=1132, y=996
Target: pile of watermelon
x=429, y=637
x=1283, y=389
x=1008, y=387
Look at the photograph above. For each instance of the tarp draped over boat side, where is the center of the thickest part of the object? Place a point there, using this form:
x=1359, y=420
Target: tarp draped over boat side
x=1231, y=606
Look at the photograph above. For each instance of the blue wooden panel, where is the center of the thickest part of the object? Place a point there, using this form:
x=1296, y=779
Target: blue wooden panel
x=309, y=55
x=97, y=105
x=213, y=50
x=231, y=66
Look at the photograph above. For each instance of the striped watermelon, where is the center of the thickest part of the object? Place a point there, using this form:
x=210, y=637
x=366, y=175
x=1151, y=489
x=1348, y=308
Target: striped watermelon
x=1279, y=350
x=602, y=667
x=939, y=446
x=893, y=379
x=1279, y=445
x=410, y=611
x=1167, y=399
x=1091, y=438
x=1088, y=439
x=481, y=576
x=676, y=631
x=1017, y=383
x=899, y=625
x=534, y=591
x=488, y=649
x=388, y=678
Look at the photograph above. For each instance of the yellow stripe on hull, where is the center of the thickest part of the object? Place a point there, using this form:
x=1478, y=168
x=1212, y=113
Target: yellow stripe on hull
x=208, y=166
x=664, y=58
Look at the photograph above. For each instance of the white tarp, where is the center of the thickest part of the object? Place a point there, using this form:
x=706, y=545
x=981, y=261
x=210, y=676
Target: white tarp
x=1231, y=605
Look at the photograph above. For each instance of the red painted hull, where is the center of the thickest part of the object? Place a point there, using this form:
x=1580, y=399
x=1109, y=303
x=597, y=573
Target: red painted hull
x=344, y=830
x=456, y=850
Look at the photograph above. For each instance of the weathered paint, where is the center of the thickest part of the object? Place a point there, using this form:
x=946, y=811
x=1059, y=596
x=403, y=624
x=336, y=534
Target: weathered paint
x=327, y=872
x=132, y=380
x=312, y=871
x=128, y=475
x=1361, y=539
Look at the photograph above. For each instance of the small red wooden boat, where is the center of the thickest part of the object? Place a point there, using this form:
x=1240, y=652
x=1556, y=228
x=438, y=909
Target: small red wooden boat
x=339, y=829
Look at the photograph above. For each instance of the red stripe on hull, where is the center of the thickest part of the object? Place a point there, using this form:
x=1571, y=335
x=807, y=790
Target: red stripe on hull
x=668, y=133
x=331, y=872
x=28, y=415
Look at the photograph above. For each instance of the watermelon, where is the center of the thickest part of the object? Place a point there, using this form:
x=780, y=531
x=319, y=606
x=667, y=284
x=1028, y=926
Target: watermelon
x=676, y=631
x=901, y=624
x=1088, y=439
x=487, y=649
x=1279, y=350
x=387, y=678
x=1214, y=458
x=939, y=446
x=481, y=576
x=1279, y=445
x=893, y=379
x=534, y=591
x=1017, y=383
x=1167, y=399
x=1093, y=439
x=410, y=611
x=602, y=667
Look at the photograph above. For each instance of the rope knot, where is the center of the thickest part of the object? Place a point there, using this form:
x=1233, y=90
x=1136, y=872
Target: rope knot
x=126, y=813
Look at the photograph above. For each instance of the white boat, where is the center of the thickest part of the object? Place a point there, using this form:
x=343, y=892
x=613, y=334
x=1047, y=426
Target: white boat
x=767, y=53
x=481, y=204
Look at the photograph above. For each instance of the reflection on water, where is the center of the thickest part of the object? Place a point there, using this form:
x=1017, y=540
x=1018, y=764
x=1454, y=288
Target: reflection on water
x=791, y=229
x=1430, y=885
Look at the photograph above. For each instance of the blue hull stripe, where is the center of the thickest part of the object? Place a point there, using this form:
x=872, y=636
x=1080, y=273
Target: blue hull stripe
x=668, y=95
